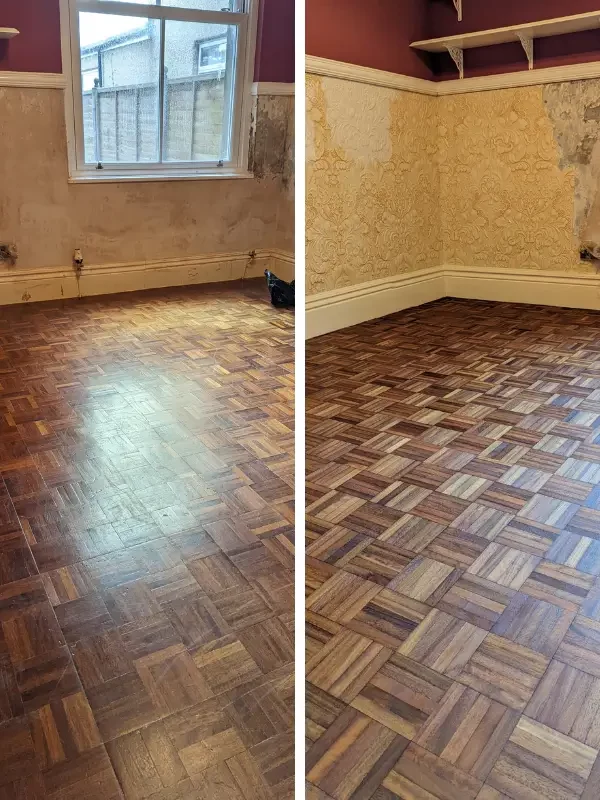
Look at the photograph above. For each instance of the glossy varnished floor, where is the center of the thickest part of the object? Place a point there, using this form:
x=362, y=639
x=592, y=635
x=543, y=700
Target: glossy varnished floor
x=146, y=460
x=454, y=556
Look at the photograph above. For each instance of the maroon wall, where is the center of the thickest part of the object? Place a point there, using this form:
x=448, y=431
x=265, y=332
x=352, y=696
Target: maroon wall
x=371, y=33
x=275, y=46
x=37, y=48
x=478, y=15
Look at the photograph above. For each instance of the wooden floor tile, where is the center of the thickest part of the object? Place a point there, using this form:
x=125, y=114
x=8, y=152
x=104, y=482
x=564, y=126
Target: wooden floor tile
x=342, y=596
x=17, y=753
x=482, y=521
x=539, y=761
x=32, y=633
x=419, y=773
x=346, y=664
x=378, y=562
x=389, y=618
x=275, y=760
x=243, y=609
x=580, y=647
x=63, y=729
x=454, y=523
x=443, y=643
x=578, y=552
x=353, y=757
x=203, y=736
x=45, y=678
x=87, y=616
x=90, y=775
x=533, y=623
x=425, y=580
x=476, y=600
x=504, y=671
x=568, y=701
x=469, y=730
x=225, y=664
x=146, y=763
x=122, y=705
x=172, y=679
x=559, y=584
x=269, y=643
x=402, y=695
x=503, y=565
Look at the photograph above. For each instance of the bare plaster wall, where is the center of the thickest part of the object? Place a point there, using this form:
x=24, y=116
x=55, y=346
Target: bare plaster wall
x=48, y=218
x=574, y=111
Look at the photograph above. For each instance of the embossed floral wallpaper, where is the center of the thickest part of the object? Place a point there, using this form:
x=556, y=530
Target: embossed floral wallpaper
x=398, y=181
x=372, y=193
x=505, y=201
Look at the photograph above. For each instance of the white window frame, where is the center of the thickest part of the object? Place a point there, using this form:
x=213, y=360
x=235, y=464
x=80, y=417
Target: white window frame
x=236, y=167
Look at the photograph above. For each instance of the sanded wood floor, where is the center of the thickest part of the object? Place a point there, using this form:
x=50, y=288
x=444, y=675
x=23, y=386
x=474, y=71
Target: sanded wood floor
x=146, y=537
x=453, y=568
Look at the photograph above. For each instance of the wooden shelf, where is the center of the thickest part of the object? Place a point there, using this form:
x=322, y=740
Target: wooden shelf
x=8, y=33
x=526, y=34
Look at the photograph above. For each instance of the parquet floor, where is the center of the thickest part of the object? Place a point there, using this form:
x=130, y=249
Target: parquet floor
x=146, y=536
x=453, y=567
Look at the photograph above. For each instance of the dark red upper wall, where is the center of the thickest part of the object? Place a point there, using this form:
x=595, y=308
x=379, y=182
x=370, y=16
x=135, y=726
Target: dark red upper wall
x=275, y=46
x=37, y=48
x=484, y=14
x=371, y=33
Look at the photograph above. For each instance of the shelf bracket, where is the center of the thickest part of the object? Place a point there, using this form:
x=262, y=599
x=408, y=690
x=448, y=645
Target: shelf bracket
x=458, y=57
x=458, y=7
x=527, y=43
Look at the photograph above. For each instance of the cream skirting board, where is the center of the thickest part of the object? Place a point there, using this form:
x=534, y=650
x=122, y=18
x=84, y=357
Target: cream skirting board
x=341, y=308
x=22, y=285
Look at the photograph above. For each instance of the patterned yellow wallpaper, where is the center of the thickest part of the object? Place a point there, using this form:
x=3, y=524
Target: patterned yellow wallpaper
x=505, y=201
x=398, y=181
x=372, y=193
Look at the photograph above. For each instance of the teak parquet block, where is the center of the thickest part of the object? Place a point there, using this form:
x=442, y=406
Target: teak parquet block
x=146, y=547
x=453, y=555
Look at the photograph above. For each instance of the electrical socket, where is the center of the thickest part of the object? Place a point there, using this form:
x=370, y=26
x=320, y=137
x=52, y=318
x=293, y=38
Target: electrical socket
x=8, y=252
x=78, y=260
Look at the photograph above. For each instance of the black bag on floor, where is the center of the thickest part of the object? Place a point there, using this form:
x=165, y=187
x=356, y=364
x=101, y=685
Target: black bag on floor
x=283, y=295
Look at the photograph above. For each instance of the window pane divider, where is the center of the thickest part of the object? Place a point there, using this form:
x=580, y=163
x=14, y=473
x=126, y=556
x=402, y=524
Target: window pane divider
x=161, y=12
x=162, y=111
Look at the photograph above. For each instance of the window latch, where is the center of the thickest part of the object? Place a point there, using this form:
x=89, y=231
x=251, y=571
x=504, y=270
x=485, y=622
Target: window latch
x=220, y=164
x=99, y=165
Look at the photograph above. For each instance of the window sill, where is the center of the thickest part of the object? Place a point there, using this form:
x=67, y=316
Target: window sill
x=86, y=177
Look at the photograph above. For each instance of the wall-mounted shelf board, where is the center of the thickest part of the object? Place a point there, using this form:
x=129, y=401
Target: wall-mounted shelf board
x=526, y=34
x=8, y=33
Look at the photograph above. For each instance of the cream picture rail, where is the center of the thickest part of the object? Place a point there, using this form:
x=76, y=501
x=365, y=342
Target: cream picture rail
x=526, y=34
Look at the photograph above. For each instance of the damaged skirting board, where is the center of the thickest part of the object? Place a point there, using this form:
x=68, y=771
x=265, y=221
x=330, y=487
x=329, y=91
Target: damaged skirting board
x=21, y=286
x=331, y=311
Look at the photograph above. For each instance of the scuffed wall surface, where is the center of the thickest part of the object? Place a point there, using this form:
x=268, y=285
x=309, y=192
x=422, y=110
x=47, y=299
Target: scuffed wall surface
x=506, y=200
x=574, y=111
x=272, y=156
x=48, y=217
x=372, y=195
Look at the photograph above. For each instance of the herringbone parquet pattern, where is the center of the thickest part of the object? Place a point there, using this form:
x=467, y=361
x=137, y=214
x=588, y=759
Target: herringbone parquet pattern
x=146, y=547
x=453, y=567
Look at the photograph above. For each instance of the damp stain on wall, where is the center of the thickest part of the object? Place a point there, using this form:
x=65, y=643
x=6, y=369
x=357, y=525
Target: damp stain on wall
x=574, y=110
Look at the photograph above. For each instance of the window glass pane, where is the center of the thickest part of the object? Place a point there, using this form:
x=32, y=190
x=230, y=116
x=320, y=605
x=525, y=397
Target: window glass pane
x=199, y=84
x=198, y=5
x=120, y=59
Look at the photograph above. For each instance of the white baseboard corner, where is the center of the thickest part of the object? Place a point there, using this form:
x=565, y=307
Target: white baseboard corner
x=342, y=308
x=27, y=286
